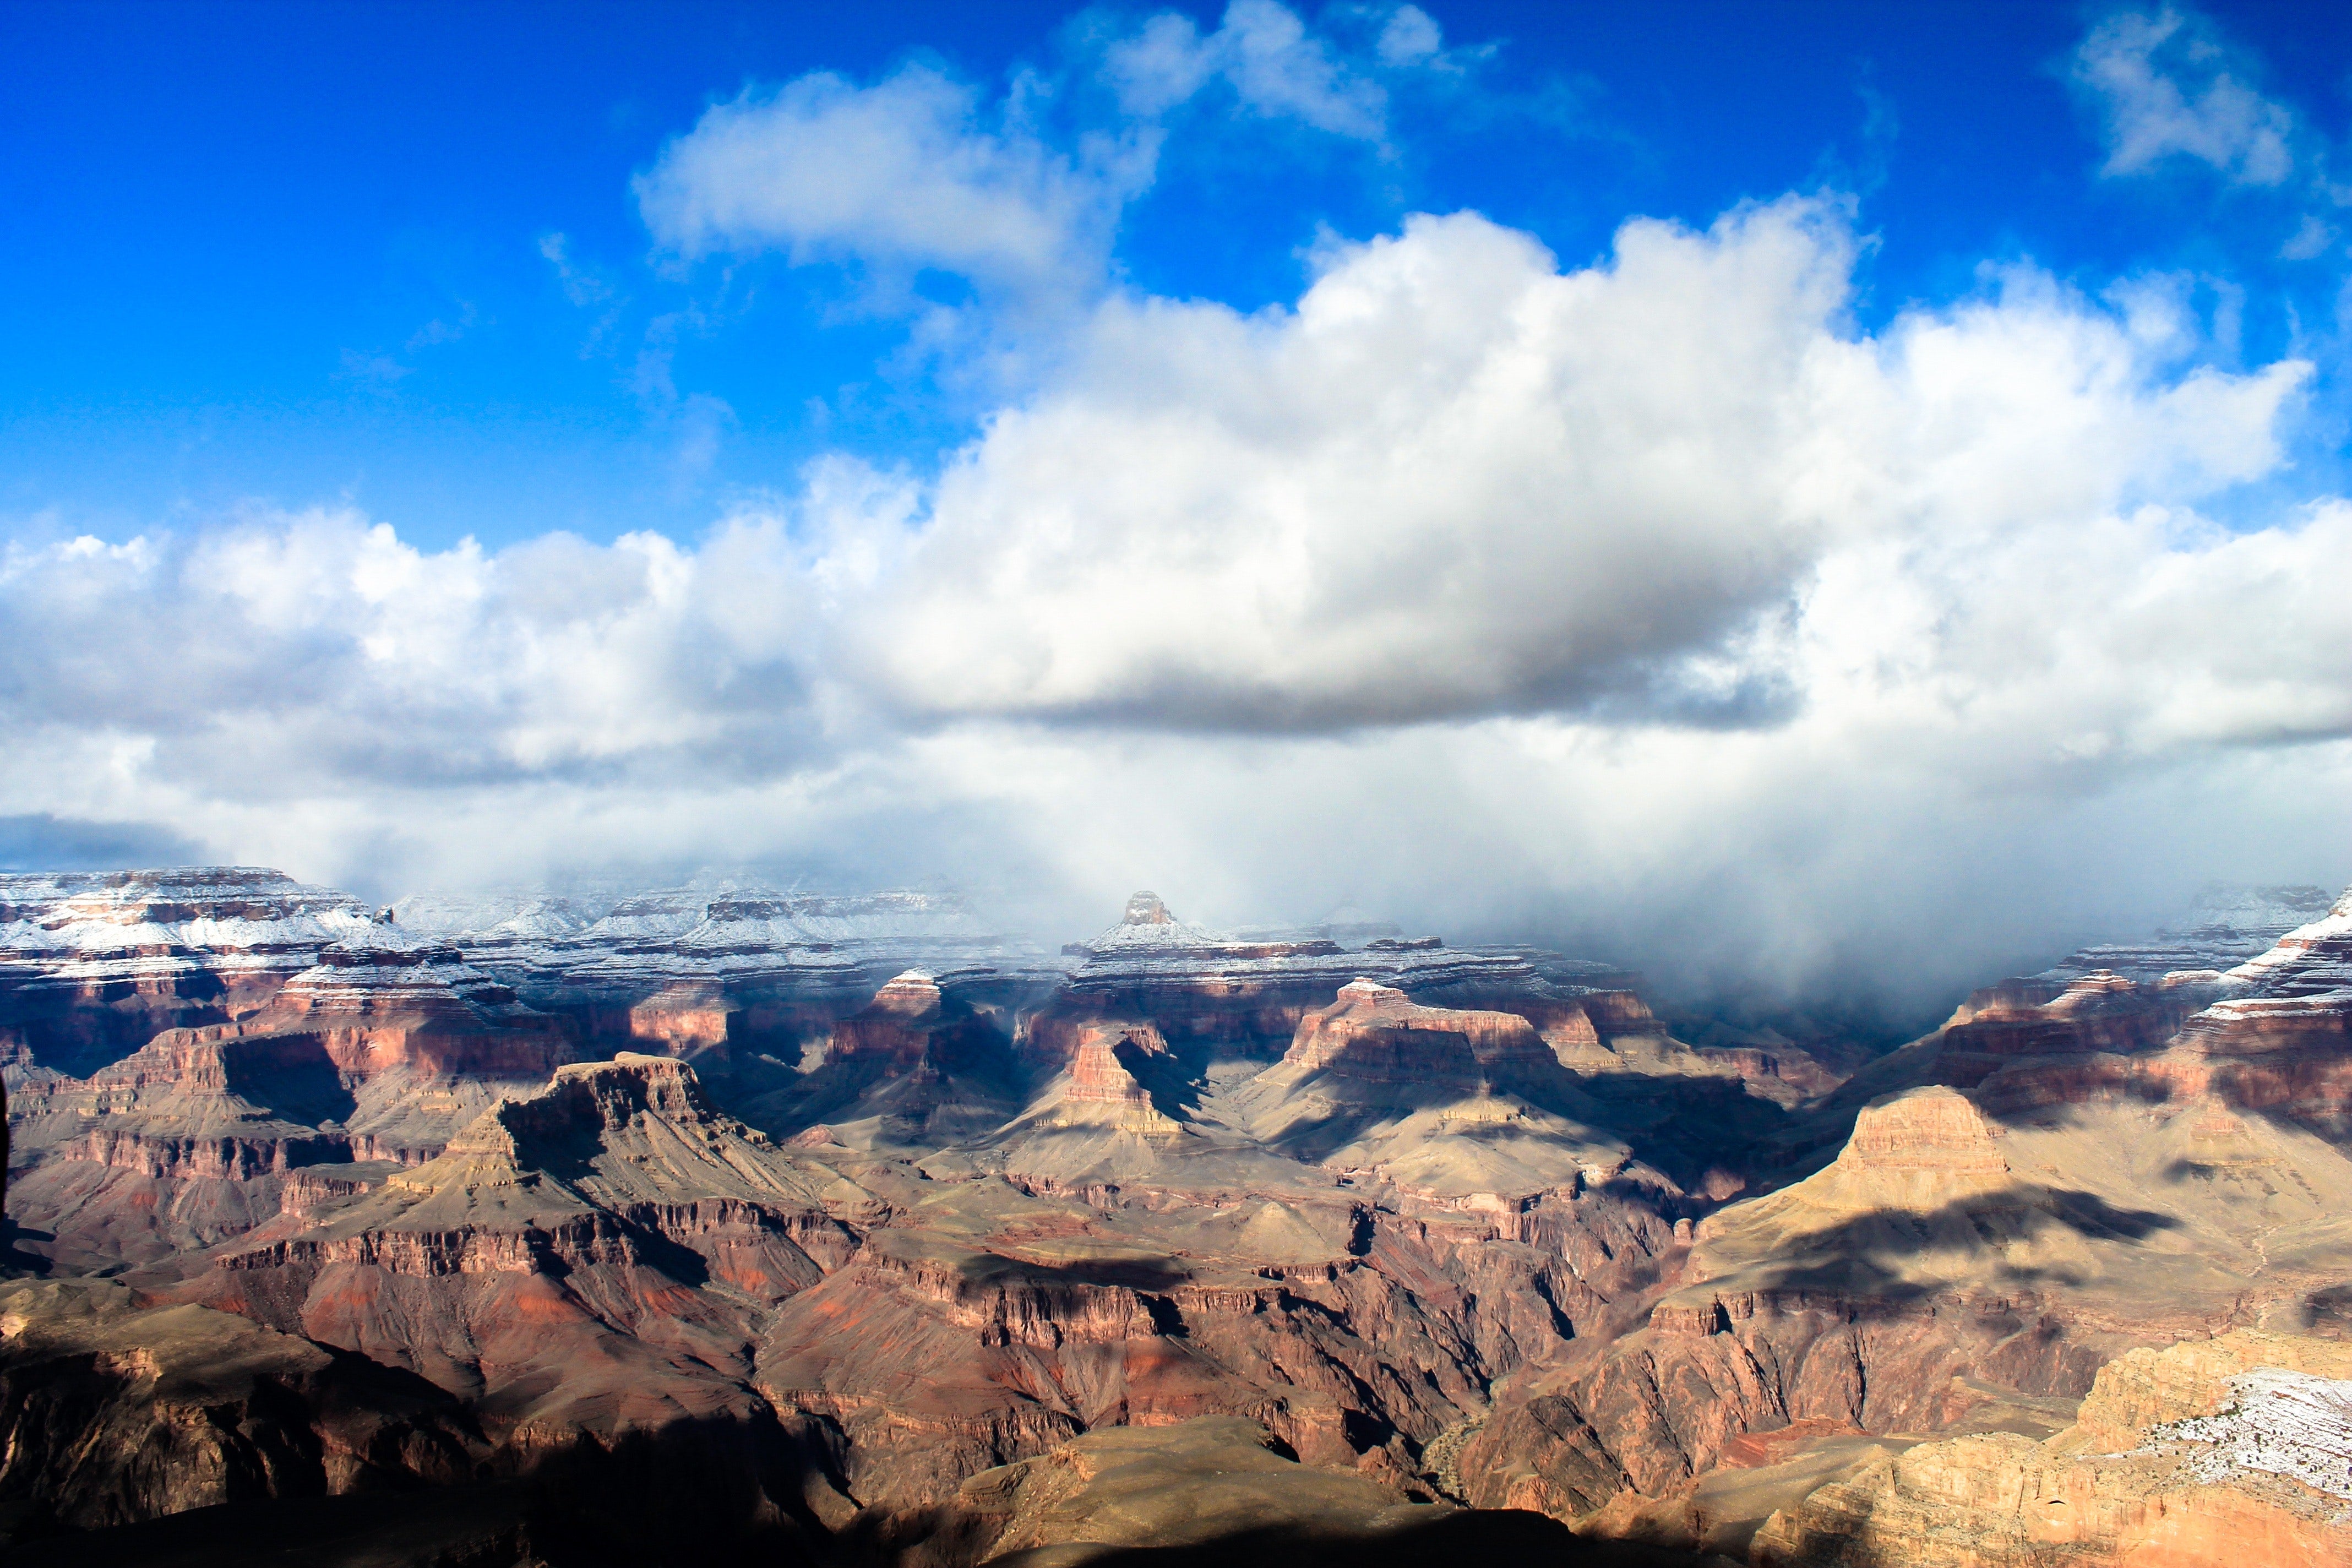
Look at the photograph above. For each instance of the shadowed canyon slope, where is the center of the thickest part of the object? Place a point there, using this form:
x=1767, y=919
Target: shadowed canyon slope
x=916, y=1242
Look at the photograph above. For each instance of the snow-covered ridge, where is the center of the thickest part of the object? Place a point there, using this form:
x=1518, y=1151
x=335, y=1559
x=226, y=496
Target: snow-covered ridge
x=2311, y=964
x=525, y=916
x=627, y=944
x=1147, y=929
x=2283, y=1423
x=700, y=917
x=1150, y=947
x=224, y=909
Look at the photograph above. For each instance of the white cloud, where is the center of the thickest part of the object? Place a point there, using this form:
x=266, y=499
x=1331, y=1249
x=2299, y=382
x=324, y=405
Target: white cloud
x=913, y=172
x=920, y=172
x=2163, y=85
x=583, y=285
x=1275, y=67
x=1263, y=53
x=1456, y=480
x=281, y=654
x=2312, y=239
x=1468, y=585
x=1410, y=37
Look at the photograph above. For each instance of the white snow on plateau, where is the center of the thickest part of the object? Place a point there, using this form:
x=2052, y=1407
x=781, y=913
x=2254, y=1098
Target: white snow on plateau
x=2285, y=1422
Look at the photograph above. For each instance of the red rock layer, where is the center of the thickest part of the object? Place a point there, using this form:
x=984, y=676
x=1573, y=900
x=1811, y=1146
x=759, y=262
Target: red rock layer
x=1377, y=1034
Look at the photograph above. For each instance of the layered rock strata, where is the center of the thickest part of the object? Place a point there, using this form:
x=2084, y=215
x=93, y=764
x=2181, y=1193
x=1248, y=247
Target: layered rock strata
x=925, y=1062
x=2227, y=925
x=1435, y=1100
x=93, y=964
x=112, y=1412
x=380, y=1051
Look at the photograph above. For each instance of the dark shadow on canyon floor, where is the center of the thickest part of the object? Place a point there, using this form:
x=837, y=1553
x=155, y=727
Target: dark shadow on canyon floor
x=499, y=1524
x=1470, y=1536
x=709, y=1493
x=16, y=1260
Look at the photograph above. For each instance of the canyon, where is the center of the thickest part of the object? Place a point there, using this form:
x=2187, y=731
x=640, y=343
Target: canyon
x=717, y=1223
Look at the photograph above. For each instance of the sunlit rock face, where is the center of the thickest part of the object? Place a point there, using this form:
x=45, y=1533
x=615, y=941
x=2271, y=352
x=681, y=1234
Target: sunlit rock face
x=2075, y=1166
x=1377, y=1034
x=379, y=1051
x=735, y=977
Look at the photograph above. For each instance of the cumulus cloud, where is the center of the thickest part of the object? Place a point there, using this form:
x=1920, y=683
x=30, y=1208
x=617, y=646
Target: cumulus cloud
x=1268, y=64
x=284, y=654
x=2166, y=87
x=920, y=170
x=1644, y=596
x=1456, y=480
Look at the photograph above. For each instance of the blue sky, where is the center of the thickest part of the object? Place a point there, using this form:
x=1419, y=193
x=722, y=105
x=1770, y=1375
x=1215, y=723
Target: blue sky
x=295, y=252
x=1751, y=483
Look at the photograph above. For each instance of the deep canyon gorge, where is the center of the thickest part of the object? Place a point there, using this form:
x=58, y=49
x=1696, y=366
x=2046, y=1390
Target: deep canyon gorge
x=720, y=1224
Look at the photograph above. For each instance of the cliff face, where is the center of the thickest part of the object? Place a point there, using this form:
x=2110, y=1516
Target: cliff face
x=1438, y=1101
x=1213, y=996
x=582, y=1260
x=1015, y=1321
x=378, y=1052
x=1217, y=1485
x=2085, y=1162
x=922, y=1064
x=1376, y=1034
x=94, y=964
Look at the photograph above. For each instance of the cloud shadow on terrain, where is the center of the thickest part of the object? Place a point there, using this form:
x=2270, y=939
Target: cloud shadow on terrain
x=697, y=1493
x=1853, y=1257
x=14, y=1261
x=1470, y=1535
x=1686, y=1126
x=295, y=1078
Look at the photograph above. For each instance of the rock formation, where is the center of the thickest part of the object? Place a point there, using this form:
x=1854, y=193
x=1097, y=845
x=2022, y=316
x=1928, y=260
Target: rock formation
x=93, y=964
x=2074, y=1166
x=117, y=1411
x=379, y=1051
x=1434, y=1099
x=852, y=1203
x=1219, y=1485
